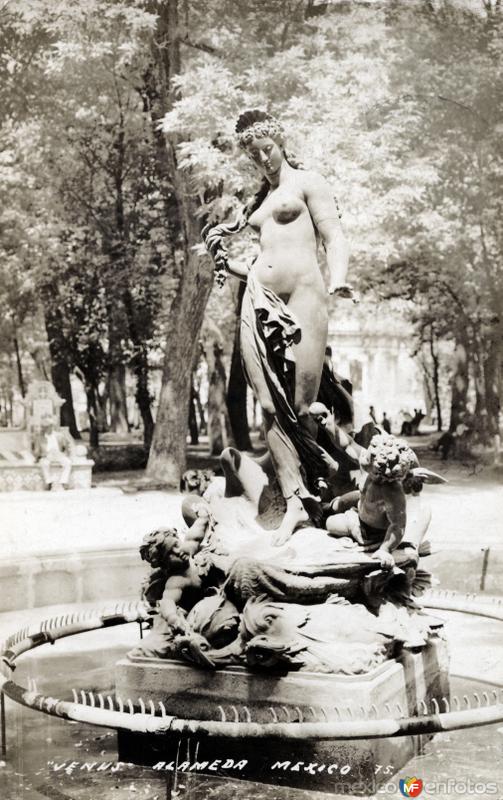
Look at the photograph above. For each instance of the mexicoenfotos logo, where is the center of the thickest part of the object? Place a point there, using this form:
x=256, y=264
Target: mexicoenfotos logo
x=411, y=787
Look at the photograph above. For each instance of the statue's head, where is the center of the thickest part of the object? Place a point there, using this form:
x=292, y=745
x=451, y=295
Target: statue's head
x=261, y=136
x=163, y=549
x=388, y=459
x=196, y=480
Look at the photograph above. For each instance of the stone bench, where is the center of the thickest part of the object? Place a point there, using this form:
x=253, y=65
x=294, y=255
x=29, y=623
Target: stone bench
x=25, y=476
x=20, y=471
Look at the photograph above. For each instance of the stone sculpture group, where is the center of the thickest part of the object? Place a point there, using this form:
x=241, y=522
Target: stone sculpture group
x=223, y=593
x=309, y=558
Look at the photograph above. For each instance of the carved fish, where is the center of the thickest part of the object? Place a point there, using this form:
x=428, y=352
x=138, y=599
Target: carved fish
x=215, y=618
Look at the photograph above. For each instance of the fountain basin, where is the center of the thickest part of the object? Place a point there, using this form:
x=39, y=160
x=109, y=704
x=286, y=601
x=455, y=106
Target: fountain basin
x=396, y=688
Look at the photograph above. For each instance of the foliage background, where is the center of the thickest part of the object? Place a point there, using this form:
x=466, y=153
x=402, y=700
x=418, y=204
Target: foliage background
x=117, y=145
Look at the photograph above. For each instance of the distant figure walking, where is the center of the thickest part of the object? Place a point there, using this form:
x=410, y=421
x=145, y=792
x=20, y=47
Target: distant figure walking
x=372, y=414
x=385, y=424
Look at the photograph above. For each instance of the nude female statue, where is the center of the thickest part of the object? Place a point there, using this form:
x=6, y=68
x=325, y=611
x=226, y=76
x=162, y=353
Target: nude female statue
x=284, y=319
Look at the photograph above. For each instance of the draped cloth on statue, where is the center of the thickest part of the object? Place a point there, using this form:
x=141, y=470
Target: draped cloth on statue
x=335, y=394
x=269, y=331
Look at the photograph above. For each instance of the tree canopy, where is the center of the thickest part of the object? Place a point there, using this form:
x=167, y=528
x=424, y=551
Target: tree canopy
x=117, y=127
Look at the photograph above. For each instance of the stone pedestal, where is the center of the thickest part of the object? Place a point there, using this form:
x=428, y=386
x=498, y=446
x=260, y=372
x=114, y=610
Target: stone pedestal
x=395, y=688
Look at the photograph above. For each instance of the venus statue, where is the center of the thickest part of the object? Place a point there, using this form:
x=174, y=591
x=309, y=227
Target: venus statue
x=285, y=308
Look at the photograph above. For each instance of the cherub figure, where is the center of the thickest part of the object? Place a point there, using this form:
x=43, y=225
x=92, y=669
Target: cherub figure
x=179, y=578
x=380, y=520
x=194, y=604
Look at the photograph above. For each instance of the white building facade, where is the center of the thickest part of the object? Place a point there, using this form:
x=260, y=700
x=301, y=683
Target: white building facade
x=373, y=346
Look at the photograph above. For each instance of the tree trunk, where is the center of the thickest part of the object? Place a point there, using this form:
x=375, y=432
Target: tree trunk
x=194, y=278
x=94, y=436
x=194, y=431
x=94, y=402
x=61, y=380
x=101, y=410
x=436, y=379
x=459, y=384
x=60, y=370
x=478, y=369
x=203, y=426
x=218, y=421
x=116, y=306
x=11, y=408
x=143, y=398
x=116, y=382
x=139, y=365
x=19, y=367
x=428, y=392
x=117, y=398
x=167, y=453
x=492, y=379
x=237, y=388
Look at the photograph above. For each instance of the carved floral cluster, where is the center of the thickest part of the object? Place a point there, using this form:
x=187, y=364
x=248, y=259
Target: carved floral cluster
x=259, y=130
x=388, y=458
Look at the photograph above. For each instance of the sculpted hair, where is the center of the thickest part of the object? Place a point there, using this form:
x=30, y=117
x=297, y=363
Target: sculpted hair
x=154, y=539
x=250, y=125
x=388, y=459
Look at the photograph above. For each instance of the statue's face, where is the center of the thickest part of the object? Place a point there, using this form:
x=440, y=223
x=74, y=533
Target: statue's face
x=166, y=553
x=267, y=156
x=173, y=556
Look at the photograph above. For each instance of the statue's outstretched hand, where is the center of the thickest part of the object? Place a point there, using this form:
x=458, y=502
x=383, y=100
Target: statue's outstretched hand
x=385, y=559
x=344, y=290
x=202, y=511
x=174, y=616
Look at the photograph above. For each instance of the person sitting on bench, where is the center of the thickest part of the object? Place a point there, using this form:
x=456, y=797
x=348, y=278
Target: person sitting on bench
x=53, y=447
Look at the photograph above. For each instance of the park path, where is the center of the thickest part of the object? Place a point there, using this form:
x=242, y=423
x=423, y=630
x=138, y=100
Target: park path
x=467, y=512
x=43, y=523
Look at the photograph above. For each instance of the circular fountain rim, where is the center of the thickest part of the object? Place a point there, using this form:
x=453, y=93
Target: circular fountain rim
x=104, y=713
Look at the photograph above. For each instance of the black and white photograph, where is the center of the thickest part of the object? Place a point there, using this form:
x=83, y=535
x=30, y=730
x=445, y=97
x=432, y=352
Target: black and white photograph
x=251, y=372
